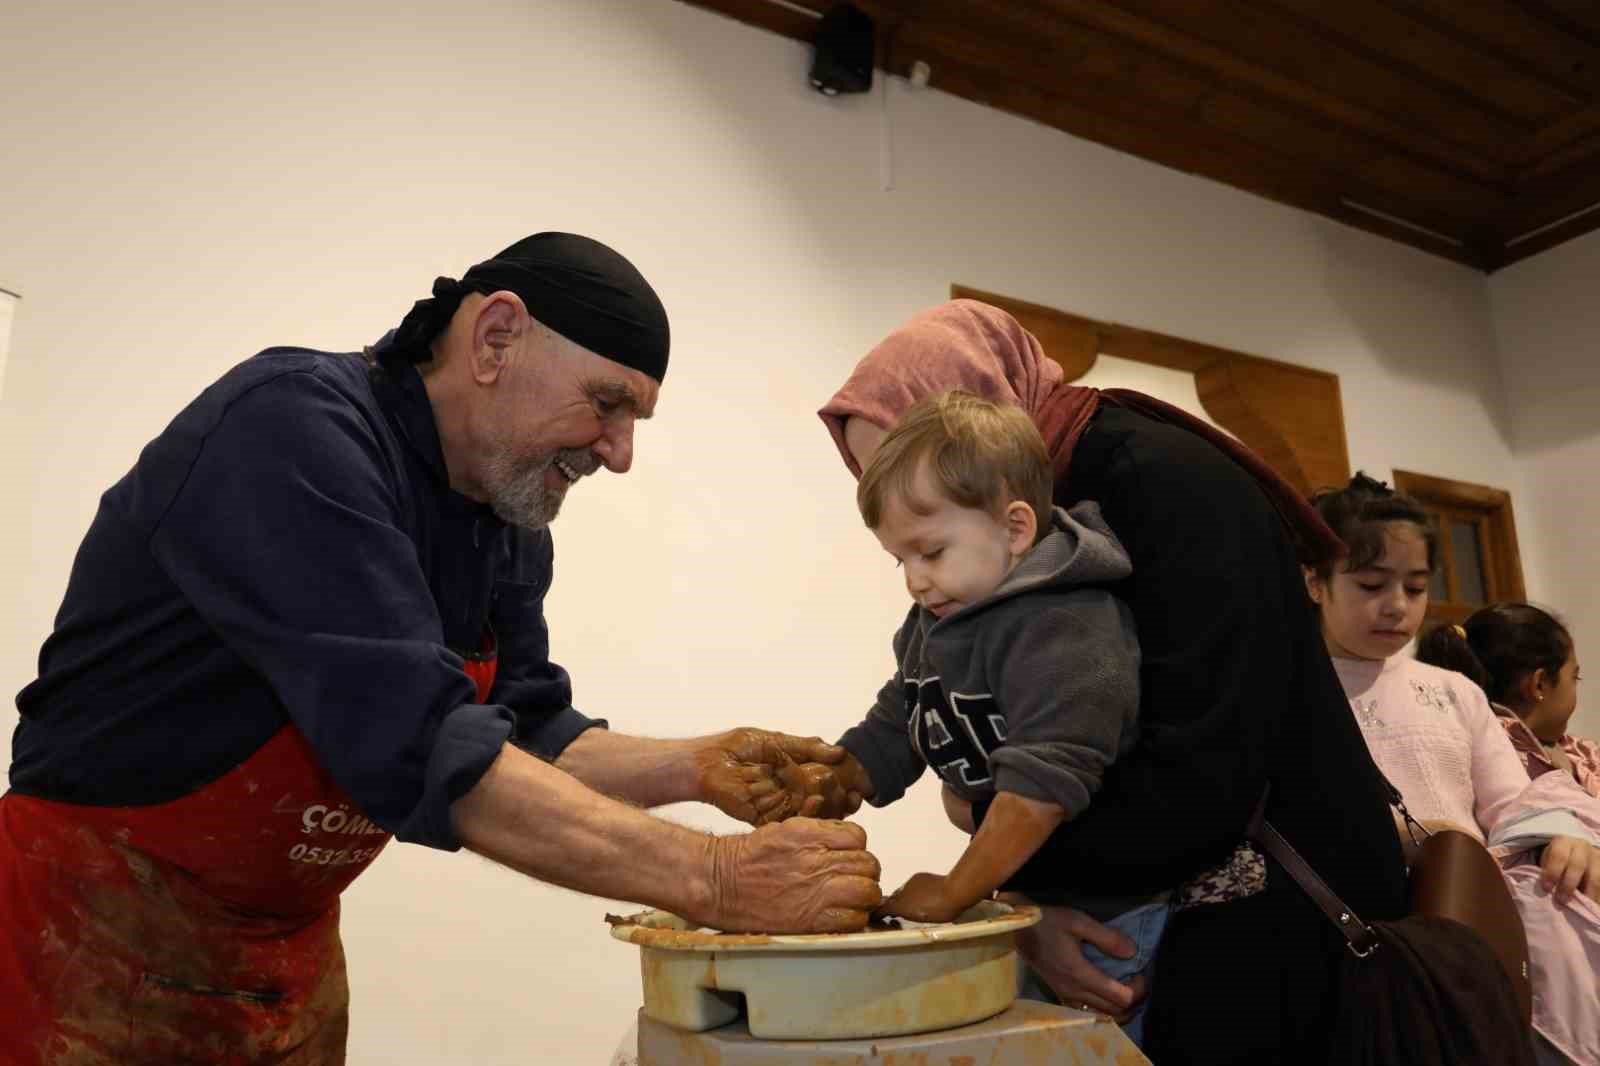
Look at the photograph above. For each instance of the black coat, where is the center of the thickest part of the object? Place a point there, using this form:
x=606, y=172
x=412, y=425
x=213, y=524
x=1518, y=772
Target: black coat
x=1236, y=691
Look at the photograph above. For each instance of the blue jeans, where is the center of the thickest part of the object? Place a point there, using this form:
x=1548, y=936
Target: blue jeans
x=1144, y=926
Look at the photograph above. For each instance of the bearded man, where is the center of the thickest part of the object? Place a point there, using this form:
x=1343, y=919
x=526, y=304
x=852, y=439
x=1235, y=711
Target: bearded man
x=311, y=618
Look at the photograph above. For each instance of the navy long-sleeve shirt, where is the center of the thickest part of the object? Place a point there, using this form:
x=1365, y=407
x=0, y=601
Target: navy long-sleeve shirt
x=289, y=550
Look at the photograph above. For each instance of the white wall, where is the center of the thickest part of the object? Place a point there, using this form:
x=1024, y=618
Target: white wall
x=8, y=304
x=1548, y=324
x=1176, y=387
x=185, y=183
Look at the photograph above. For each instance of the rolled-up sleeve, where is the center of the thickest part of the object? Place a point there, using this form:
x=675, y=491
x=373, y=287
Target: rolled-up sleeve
x=1067, y=671
x=882, y=742
x=537, y=691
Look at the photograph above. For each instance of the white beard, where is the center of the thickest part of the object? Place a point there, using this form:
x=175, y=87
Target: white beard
x=518, y=493
x=522, y=498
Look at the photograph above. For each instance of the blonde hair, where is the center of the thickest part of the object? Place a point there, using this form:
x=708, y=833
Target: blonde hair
x=980, y=454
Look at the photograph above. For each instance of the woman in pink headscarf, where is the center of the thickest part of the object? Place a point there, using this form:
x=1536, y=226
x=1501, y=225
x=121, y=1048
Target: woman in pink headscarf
x=1237, y=693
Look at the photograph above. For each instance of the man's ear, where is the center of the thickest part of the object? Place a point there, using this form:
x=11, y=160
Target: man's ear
x=499, y=320
x=1022, y=528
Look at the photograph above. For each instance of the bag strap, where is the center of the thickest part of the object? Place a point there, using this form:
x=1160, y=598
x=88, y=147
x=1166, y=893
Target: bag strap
x=1358, y=935
x=1413, y=827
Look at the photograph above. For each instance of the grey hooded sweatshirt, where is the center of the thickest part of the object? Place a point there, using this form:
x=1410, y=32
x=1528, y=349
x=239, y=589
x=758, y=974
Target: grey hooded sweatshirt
x=1033, y=689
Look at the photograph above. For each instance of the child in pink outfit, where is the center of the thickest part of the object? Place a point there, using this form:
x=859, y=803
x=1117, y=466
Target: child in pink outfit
x=1436, y=740
x=1526, y=661
x=1434, y=735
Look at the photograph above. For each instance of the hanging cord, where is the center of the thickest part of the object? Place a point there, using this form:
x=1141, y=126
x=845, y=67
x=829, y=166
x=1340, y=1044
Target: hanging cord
x=886, y=135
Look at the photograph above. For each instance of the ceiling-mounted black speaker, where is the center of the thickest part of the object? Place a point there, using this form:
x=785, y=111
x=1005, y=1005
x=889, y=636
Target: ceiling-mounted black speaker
x=843, y=59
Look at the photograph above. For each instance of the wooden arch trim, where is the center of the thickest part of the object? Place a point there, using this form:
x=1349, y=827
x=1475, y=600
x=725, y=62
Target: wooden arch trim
x=1292, y=416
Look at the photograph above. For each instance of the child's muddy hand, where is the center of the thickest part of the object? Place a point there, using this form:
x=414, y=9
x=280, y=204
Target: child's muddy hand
x=924, y=898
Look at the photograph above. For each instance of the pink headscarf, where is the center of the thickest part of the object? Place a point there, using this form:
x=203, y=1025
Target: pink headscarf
x=965, y=344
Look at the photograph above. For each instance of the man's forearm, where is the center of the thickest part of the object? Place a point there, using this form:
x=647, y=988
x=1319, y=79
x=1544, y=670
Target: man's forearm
x=640, y=770
x=534, y=818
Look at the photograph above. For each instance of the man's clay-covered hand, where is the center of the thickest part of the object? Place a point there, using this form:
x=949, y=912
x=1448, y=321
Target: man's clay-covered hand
x=760, y=776
x=804, y=876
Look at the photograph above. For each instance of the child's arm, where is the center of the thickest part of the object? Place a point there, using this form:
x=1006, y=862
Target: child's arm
x=958, y=810
x=1013, y=830
x=882, y=762
x=1067, y=677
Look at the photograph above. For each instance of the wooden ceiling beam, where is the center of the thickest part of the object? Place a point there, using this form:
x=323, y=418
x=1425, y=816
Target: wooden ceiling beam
x=1236, y=164
x=1141, y=89
x=1404, y=180
x=1575, y=154
x=1413, y=49
x=1551, y=198
x=1544, y=240
x=1504, y=29
x=1580, y=18
x=1253, y=35
x=1266, y=82
x=1118, y=40
x=1138, y=76
x=1265, y=88
x=1546, y=149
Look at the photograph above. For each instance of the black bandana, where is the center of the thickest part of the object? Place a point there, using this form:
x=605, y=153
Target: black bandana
x=576, y=286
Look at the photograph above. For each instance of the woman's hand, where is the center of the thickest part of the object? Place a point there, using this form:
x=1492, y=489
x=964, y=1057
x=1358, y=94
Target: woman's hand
x=1571, y=865
x=1054, y=948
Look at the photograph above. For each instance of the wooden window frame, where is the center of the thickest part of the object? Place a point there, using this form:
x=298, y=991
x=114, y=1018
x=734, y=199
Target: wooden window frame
x=1490, y=510
x=1291, y=416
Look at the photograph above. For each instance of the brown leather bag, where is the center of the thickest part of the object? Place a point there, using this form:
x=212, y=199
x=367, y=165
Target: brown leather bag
x=1447, y=985
x=1453, y=876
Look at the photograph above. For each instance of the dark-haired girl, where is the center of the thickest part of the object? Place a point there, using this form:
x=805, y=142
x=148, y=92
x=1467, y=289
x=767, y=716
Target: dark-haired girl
x=1525, y=659
x=1435, y=737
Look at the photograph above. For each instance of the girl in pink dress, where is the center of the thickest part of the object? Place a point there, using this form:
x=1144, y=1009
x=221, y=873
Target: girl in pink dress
x=1524, y=658
x=1434, y=735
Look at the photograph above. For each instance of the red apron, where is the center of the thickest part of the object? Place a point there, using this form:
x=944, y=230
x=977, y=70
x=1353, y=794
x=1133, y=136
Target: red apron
x=204, y=930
